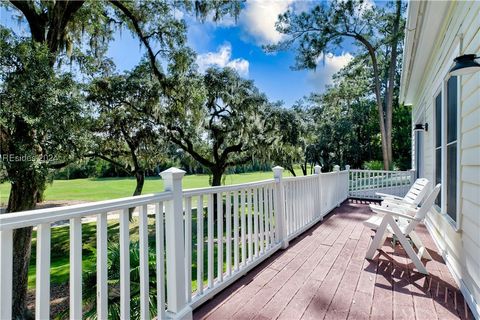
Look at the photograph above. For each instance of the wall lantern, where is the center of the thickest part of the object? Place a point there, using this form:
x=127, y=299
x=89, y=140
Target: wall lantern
x=421, y=127
x=465, y=64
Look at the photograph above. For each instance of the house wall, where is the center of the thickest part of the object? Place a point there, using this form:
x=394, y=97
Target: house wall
x=460, y=243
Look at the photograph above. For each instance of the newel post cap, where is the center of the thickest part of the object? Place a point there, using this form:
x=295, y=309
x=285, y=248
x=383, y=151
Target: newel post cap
x=318, y=169
x=336, y=167
x=277, y=172
x=347, y=167
x=173, y=173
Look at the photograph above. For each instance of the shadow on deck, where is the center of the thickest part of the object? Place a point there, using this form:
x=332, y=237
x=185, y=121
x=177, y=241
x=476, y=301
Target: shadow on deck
x=324, y=275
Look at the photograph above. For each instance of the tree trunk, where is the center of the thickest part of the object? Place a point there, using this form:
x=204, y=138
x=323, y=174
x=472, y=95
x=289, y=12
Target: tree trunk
x=23, y=196
x=217, y=174
x=217, y=177
x=381, y=116
x=391, y=80
x=290, y=169
x=140, y=177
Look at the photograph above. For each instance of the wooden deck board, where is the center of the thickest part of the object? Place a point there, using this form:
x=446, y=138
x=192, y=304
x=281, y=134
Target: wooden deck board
x=323, y=274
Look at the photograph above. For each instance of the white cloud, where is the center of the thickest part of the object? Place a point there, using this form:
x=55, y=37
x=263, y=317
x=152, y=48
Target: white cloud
x=328, y=65
x=259, y=17
x=222, y=58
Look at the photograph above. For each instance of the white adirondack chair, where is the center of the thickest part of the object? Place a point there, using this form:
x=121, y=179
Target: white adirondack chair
x=414, y=196
x=402, y=223
x=411, y=201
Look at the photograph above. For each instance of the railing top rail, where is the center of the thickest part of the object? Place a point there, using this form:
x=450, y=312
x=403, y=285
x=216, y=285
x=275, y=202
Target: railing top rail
x=300, y=178
x=31, y=218
x=233, y=187
x=380, y=171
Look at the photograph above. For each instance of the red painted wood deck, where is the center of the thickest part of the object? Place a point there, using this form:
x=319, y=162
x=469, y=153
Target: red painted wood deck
x=324, y=275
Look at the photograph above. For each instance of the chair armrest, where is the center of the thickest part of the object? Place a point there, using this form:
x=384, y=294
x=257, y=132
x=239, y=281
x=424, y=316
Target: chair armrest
x=395, y=213
x=399, y=203
x=389, y=196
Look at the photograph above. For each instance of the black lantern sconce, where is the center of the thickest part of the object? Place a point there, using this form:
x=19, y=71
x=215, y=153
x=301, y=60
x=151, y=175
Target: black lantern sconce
x=421, y=127
x=465, y=64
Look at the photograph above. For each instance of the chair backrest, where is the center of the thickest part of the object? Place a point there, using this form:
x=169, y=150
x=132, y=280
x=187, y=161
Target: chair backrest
x=428, y=203
x=417, y=191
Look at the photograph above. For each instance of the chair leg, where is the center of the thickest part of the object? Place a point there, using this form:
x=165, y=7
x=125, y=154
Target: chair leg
x=419, y=244
x=378, y=239
x=408, y=249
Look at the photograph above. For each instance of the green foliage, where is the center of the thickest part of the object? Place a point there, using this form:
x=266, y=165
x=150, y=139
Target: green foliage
x=402, y=136
x=113, y=263
x=42, y=114
x=122, y=125
x=378, y=32
x=372, y=165
x=217, y=118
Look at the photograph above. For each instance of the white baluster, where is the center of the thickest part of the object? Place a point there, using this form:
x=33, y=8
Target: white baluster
x=220, y=236
x=250, y=228
x=188, y=248
x=261, y=221
x=75, y=268
x=144, y=276
x=200, y=239
x=235, y=231
x=266, y=221
x=281, y=231
x=6, y=273
x=210, y=236
x=42, y=286
x=255, y=221
x=102, y=268
x=160, y=260
x=244, y=226
x=124, y=265
x=228, y=217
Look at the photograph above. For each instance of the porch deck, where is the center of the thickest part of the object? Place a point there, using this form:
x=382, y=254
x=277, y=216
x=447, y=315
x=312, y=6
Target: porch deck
x=324, y=275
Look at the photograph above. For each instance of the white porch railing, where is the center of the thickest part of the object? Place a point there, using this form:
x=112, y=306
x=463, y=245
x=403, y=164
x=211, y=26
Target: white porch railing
x=363, y=184
x=251, y=221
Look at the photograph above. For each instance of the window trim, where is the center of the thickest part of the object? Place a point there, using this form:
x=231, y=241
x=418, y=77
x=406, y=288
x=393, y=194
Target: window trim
x=443, y=89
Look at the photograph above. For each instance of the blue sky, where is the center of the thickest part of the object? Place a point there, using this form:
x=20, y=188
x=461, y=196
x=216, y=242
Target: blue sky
x=238, y=44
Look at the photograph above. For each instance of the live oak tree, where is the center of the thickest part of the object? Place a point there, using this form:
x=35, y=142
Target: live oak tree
x=295, y=138
x=377, y=30
x=80, y=31
x=121, y=122
x=41, y=117
x=217, y=118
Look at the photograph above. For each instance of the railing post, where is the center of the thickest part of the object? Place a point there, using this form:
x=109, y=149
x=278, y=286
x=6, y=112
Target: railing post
x=318, y=198
x=336, y=168
x=175, y=246
x=347, y=167
x=6, y=273
x=280, y=223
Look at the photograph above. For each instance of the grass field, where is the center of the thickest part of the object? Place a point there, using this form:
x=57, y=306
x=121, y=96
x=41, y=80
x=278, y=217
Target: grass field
x=111, y=188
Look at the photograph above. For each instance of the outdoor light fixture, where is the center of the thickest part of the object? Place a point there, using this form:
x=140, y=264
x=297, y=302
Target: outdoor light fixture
x=421, y=127
x=465, y=64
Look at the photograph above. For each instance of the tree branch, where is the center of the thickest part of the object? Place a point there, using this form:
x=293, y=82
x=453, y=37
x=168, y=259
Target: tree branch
x=151, y=55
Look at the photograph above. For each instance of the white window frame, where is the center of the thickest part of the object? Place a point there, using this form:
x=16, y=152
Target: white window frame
x=438, y=91
x=442, y=89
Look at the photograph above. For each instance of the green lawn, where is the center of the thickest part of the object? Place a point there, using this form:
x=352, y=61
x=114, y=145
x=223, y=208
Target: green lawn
x=111, y=188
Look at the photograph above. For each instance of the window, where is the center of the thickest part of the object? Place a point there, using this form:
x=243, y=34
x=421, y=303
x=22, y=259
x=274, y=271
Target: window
x=446, y=147
x=438, y=144
x=451, y=165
